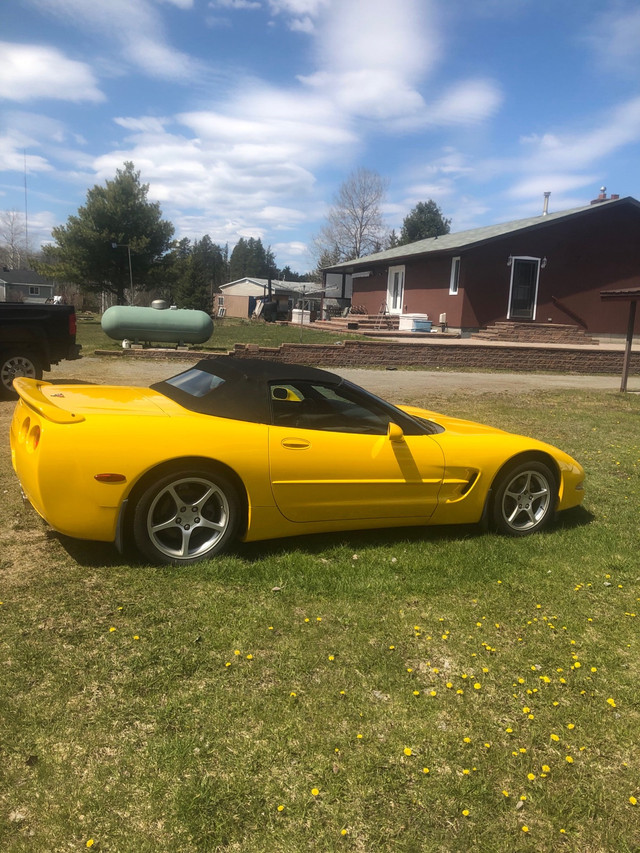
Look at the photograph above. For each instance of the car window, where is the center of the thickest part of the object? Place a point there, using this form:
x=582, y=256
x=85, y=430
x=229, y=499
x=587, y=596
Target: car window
x=310, y=405
x=196, y=382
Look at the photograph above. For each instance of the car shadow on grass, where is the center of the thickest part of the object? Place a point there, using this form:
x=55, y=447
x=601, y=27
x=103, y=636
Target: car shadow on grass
x=95, y=554
x=388, y=537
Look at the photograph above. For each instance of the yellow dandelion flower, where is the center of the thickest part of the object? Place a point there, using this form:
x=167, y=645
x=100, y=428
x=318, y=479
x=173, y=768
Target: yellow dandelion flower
x=506, y=793
x=314, y=792
x=466, y=740
x=569, y=759
x=433, y=693
x=525, y=829
x=477, y=685
x=449, y=685
x=344, y=831
x=332, y=657
x=237, y=652
x=509, y=731
x=359, y=736
x=554, y=736
x=466, y=772
x=90, y=842
x=293, y=694
x=416, y=692
x=408, y=750
x=546, y=768
x=570, y=725
x=425, y=770
x=633, y=801
x=249, y=657
x=111, y=630
x=531, y=776
x=465, y=812
x=281, y=808
x=459, y=692
x=611, y=702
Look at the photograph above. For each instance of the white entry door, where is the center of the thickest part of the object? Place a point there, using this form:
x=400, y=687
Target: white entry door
x=395, y=290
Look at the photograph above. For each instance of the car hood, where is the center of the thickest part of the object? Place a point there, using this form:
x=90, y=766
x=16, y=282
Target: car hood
x=456, y=426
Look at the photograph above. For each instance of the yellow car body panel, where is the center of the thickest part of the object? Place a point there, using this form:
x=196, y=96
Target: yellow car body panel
x=81, y=452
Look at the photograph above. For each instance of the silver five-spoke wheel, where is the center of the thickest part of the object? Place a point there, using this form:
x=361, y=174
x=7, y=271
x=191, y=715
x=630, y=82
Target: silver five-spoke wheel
x=525, y=499
x=184, y=517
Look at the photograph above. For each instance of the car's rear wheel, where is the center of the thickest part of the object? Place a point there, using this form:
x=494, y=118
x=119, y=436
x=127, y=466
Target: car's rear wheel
x=14, y=363
x=524, y=498
x=186, y=516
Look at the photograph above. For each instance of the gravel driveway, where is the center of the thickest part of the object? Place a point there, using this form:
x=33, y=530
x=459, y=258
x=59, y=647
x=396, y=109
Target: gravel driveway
x=391, y=384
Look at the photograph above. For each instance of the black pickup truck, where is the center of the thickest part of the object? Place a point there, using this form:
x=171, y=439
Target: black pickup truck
x=34, y=336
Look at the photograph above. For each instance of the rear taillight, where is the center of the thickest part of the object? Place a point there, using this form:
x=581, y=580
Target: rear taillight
x=73, y=326
x=34, y=438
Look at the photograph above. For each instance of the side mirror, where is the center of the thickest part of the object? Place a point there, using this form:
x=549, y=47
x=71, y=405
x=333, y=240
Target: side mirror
x=394, y=432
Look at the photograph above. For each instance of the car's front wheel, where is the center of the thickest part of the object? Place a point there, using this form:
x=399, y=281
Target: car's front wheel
x=186, y=516
x=524, y=498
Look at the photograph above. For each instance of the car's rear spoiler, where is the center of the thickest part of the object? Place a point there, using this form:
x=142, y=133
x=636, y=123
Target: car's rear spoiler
x=30, y=391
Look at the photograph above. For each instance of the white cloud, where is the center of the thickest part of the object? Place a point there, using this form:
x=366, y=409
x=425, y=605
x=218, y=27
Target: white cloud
x=580, y=150
x=614, y=37
x=469, y=102
x=138, y=28
x=235, y=4
x=29, y=72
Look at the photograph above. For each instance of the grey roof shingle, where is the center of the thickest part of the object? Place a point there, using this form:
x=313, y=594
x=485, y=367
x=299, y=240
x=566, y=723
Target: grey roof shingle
x=464, y=239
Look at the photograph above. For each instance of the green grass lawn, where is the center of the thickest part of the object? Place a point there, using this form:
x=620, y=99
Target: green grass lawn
x=421, y=690
x=226, y=334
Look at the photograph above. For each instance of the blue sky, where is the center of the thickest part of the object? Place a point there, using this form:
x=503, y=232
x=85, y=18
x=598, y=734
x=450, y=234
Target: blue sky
x=245, y=116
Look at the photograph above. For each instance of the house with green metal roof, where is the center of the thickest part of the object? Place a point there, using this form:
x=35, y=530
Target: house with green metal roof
x=544, y=269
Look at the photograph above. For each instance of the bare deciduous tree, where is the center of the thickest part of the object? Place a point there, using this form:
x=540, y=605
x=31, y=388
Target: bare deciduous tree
x=354, y=226
x=13, y=244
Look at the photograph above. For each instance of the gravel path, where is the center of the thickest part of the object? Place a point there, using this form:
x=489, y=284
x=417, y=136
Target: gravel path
x=391, y=384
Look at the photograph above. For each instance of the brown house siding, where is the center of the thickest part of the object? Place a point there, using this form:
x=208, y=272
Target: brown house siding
x=587, y=253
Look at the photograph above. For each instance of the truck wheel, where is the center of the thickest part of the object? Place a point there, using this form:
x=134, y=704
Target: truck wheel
x=16, y=363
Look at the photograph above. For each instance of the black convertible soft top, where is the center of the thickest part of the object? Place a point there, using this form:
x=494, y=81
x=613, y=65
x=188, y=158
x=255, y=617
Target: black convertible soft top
x=236, y=388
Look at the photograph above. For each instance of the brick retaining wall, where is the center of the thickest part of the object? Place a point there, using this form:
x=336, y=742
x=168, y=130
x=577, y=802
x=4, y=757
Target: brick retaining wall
x=528, y=359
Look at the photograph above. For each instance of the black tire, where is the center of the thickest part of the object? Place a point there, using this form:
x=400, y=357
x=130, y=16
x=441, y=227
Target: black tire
x=185, y=516
x=524, y=498
x=15, y=363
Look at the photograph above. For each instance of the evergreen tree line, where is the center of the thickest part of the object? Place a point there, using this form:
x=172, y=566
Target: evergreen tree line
x=119, y=244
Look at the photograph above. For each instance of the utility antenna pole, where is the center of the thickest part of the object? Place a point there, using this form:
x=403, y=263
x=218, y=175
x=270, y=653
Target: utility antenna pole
x=26, y=213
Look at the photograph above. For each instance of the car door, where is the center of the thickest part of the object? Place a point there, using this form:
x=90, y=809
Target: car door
x=331, y=457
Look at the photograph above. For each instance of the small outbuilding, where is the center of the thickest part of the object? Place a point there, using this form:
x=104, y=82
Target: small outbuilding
x=270, y=298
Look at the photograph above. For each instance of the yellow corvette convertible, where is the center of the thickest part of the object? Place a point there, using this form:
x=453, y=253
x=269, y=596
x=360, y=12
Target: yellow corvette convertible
x=257, y=450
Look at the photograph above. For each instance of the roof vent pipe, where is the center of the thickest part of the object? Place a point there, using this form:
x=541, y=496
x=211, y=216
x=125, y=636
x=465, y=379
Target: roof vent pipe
x=545, y=209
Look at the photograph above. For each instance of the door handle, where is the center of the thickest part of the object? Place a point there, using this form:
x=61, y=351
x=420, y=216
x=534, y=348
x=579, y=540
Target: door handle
x=295, y=443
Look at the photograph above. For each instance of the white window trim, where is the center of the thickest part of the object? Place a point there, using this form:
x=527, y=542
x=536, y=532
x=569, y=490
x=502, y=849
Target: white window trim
x=392, y=272
x=535, y=294
x=454, y=279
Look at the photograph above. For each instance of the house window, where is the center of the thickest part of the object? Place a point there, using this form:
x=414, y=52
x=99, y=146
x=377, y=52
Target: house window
x=455, y=276
x=220, y=299
x=34, y=291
